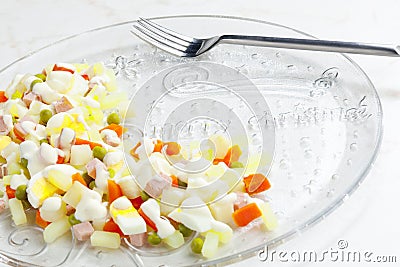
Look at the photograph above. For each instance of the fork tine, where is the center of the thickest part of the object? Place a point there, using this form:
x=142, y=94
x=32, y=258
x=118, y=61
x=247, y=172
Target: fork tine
x=145, y=37
x=163, y=35
x=160, y=39
x=167, y=31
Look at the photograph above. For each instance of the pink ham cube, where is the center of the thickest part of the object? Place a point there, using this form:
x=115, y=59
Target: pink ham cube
x=137, y=240
x=30, y=97
x=62, y=105
x=83, y=231
x=92, y=165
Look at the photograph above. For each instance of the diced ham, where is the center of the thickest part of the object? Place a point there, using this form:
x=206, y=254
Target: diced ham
x=110, y=137
x=156, y=185
x=2, y=205
x=241, y=201
x=3, y=170
x=30, y=97
x=62, y=105
x=5, y=124
x=93, y=165
x=138, y=239
x=70, y=210
x=83, y=231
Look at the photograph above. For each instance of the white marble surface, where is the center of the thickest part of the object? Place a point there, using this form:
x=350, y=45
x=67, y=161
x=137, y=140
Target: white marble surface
x=370, y=218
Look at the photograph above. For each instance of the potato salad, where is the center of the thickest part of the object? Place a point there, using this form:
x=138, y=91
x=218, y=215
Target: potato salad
x=63, y=159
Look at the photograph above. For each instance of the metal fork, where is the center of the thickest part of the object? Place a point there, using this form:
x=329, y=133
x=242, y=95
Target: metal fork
x=185, y=46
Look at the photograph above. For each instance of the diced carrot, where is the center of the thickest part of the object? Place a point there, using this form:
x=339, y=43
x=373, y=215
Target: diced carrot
x=256, y=183
x=18, y=134
x=10, y=192
x=246, y=214
x=85, y=76
x=133, y=151
x=116, y=128
x=39, y=220
x=147, y=220
x=232, y=155
x=60, y=159
x=158, y=146
x=114, y=191
x=173, y=148
x=79, y=141
x=78, y=177
x=137, y=202
x=3, y=97
x=216, y=161
x=174, y=181
x=59, y=68
x=111, y=226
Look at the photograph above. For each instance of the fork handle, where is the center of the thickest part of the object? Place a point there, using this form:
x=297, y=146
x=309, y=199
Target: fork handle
x=314, y=45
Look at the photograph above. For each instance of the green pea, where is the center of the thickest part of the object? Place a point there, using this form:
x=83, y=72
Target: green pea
x=197, y=245
x=72, y=220
x=24, y=162
x=144, y=196
x=99, y=152
x=184, y=230
x=153, y=239
x=87, y=178
x=113, y=118
x=44, y=140
x=112, y=173
x=92, y=184
x=20, y=192
x=236, y=164
x=182, y=183
x=41, y=76
x=35, y=82
x=45, y=116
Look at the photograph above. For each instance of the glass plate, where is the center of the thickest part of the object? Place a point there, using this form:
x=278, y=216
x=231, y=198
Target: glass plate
x=323, y=110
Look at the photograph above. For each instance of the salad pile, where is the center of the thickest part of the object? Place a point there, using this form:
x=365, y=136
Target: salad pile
x=62, y=156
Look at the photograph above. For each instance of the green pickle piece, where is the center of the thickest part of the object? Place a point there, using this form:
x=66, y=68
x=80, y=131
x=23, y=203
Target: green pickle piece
x=72, y=220
x=186, y=232
x=153, y=239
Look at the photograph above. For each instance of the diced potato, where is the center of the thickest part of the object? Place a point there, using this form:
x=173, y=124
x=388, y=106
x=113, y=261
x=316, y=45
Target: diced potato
x=175, y=240
x=53, y=209
x=59, y=179
x=268, y=216
x=128, y=186
x=17, y=211
x=56, y=229
x=74, y=194
x=105, y=239
x=99, y=224
x=81, y=154
x=210, y=245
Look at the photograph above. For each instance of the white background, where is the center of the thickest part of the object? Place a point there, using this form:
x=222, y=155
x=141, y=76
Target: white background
x=369, y=220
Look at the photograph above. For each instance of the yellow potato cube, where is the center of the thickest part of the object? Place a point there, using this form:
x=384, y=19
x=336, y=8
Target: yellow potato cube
x=105, y=239
x=17, y=211
x=56, y=229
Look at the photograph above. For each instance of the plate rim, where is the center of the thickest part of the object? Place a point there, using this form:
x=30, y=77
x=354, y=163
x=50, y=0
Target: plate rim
x=240, y=256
